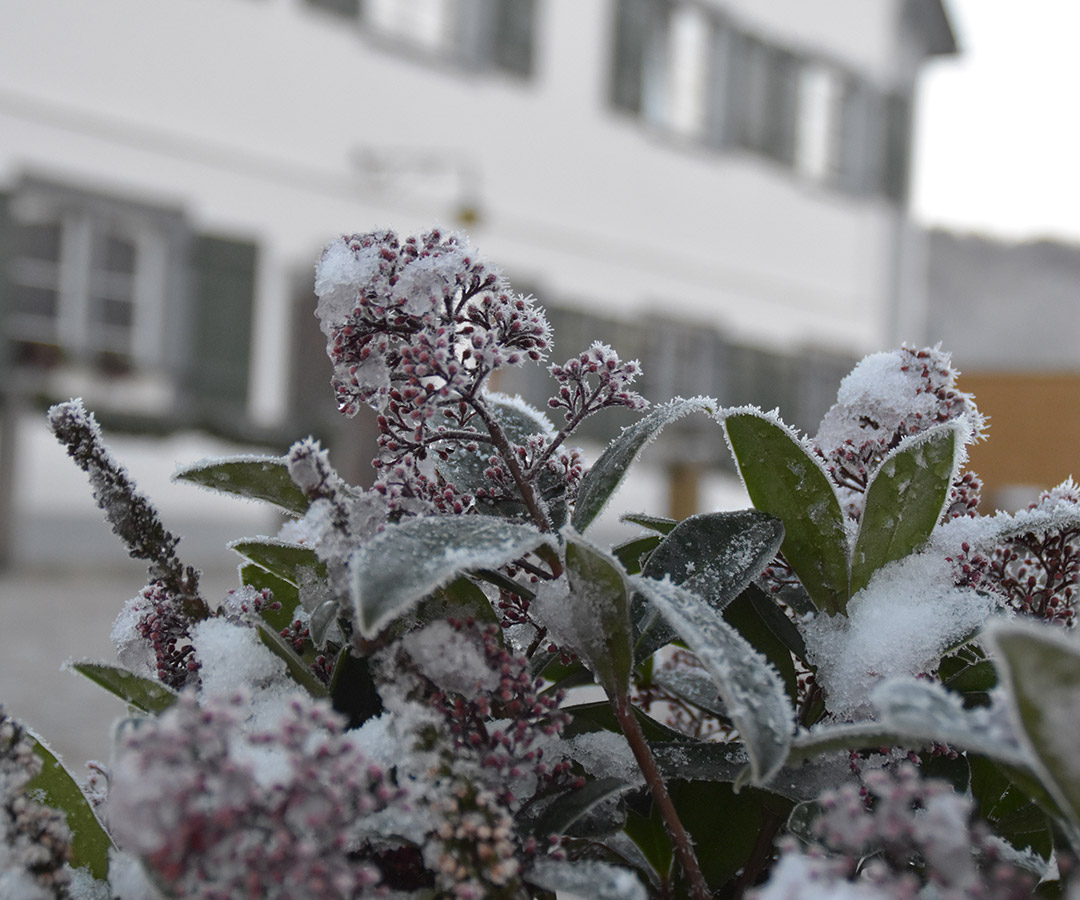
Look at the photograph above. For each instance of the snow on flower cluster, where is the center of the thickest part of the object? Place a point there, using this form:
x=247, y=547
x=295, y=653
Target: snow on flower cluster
x=35, y=841
x=887, y=397
x=890, y=838
x=217, y=810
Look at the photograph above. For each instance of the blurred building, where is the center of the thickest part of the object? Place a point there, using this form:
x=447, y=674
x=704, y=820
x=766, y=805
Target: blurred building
x=1010, y=314
x=715, y=186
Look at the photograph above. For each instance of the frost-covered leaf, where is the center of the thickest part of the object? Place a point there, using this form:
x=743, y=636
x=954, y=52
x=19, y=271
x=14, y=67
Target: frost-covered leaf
x=607, y=474
x=569, y=807
x=742, y=615
x=659, y=524
x=905, y=499
x=401, y=565
x=295, y=563
x=461, y=599
x=143, y=693
x=915, y=713
x=587, y=878
x=1040, y=670
x=752, y=691
x=53, y=786
x=297, y=668
x=785, y=480
x=699, y=760
x=715, y=555
x=692, y=685
x=256, y=477
x=595, y=619
x=599, y=716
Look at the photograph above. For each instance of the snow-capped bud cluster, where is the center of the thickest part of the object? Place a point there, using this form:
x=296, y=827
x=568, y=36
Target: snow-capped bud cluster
x=425, y=316
x=152, y=636
x=886, y=398
x=215, y=810
x=891, y=837
x=1036, y=565
x=595, y=380
x=35, y=841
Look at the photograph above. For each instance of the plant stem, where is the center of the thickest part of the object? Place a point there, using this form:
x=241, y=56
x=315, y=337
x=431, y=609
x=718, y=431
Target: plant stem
x=684, y=848
x=506, y=450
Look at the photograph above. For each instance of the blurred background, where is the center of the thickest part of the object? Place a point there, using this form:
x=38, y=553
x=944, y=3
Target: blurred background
x=746, y=195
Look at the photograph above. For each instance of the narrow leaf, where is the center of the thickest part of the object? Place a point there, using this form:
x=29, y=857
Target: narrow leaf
x=53, y=786
x=607, y=474
x=295, y=563
x=904, y=500
x=143, y=693
x=785, y=480
x=1040, y=670
x=296, y=666
x=752, y=691
x=400, y=566
x=256, y=477
x=631, y=553
x=575, y=803
x=699, y=760
x=659, y=524
x=715, y=555
x=596, y=619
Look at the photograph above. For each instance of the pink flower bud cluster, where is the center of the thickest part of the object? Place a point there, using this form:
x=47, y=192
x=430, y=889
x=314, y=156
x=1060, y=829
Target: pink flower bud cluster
x=189, y=798
x=895, y=836
x=164, y=624
x=595, y=380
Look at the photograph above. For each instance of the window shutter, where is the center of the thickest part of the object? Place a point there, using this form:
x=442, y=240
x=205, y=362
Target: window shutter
x=512, y=36
x=223, y=288
x=897, y=148
x=7, y=241
x=348, y=8
x=634, y=20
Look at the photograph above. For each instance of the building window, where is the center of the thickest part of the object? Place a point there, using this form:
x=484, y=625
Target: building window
x=496, y=34
x=88, y=280
x=764, y=99
x=686, y=70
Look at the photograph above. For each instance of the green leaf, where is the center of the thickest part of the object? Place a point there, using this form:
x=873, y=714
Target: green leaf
x=599, y=716
x=607, y=474
x=285, y=593
x=295, y=665
x=659, y=524
x=1040, y=670
x=699, y=760
x=752, y=691
x=651, y=837
x=572, y=805
x=785, y=480
x=53, y=786
x=742, y=615
x=715, y=555
x=295, y=563
x=407, y=561
x=256, y=477
x=631, y=552
x=461, y=599
x=904, y=500
x=595, y=622
x=143, y=693
x=1007, y=808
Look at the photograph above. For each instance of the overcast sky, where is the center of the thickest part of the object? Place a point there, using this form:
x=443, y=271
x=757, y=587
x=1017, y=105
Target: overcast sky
x=998, y=141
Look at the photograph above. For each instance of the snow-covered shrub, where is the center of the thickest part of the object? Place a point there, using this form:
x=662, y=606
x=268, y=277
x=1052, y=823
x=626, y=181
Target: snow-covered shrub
x=860, y=687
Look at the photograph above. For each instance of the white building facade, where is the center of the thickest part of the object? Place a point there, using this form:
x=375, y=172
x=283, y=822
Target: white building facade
x=721, y=182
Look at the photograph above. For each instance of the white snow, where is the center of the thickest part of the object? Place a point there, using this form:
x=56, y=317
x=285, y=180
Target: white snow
x=900, y=624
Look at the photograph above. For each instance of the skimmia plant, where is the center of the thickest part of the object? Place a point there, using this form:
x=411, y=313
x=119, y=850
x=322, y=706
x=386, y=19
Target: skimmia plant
x=860, y=687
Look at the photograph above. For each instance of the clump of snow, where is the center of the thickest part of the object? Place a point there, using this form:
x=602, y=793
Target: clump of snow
x=605, y=754
x=900, y=624
x=451, y=659
x=338, y=275
x=133, y=651
x=232, y=656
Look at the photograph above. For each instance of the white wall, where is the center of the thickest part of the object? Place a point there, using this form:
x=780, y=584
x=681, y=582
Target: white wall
x=249, y=115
